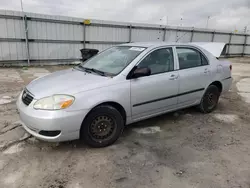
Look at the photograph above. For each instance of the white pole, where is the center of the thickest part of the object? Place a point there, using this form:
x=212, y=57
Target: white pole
x=166, y=21
x=22, y=5
x=207, y=21
x=25, y=31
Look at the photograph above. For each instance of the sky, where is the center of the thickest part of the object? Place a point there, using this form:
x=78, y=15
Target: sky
x=213, y=14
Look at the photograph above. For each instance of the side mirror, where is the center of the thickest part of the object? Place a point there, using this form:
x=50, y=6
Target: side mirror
x=140, y=72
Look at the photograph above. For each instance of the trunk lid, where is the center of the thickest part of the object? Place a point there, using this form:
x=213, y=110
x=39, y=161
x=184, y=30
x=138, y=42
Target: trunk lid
x=215, y=48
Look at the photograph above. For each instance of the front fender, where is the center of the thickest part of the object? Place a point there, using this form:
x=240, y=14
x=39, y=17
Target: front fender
x=119, y=93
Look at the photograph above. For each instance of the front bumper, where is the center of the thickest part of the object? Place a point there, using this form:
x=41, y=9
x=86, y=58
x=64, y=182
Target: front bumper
x=67, y=122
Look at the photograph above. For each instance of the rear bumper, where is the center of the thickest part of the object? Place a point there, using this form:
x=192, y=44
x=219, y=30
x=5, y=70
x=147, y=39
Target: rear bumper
x=67, y=122
x=226, y=84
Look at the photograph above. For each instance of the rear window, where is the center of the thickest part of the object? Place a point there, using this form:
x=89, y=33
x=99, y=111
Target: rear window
x=189, y=58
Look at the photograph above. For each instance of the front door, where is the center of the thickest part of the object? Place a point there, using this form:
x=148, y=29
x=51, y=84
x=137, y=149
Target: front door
x=151, y=95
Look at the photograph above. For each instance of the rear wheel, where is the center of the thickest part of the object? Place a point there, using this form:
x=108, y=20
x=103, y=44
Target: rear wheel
x=210, y=99
x=102, y=127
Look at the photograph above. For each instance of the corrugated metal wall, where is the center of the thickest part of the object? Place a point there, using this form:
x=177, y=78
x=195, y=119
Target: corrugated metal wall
x=57, y=39
x=13, y=29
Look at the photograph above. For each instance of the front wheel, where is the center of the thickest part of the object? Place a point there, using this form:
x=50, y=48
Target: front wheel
x=102, y=127
x=210, y=99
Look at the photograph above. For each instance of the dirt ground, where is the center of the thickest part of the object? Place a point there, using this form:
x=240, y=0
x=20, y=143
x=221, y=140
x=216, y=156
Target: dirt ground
x=182, y=149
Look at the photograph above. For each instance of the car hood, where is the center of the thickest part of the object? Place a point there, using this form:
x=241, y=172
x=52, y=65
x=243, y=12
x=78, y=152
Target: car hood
x=69, y=81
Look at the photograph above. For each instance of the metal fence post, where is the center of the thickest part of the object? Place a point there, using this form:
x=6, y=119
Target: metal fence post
x=26, y=38
x=192, y=35
x=84, y=35
x=228, y=48
x=164, y=33
x=213, y=33
x=130, y=33
x=244, y=45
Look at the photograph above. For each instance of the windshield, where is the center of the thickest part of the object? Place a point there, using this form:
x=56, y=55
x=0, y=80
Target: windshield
x=113, y=60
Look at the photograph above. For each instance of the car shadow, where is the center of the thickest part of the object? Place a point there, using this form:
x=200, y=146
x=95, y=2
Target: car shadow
x=161, y=120
x=166, y=121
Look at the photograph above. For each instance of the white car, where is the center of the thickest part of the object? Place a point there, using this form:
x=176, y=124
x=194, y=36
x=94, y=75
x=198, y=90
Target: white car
x=122, y=85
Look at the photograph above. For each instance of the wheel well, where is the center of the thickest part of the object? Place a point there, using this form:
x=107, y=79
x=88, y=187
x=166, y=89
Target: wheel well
x=217, y=84
x=117, y=106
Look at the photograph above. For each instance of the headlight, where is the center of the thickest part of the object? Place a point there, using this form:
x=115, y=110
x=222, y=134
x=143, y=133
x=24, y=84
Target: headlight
x=55, y=102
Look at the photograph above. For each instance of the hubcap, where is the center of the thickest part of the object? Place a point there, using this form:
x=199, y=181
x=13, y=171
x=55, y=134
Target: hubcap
x=212, y=100
x=102, y=127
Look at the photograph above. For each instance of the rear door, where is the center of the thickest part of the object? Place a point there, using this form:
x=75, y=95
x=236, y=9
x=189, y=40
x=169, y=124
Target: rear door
x=194, y=75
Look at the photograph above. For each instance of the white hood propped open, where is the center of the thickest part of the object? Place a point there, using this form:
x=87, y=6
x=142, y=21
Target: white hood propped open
x=215, y=48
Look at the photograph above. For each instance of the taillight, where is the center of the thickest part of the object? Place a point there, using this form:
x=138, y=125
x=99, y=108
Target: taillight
x=230, y=67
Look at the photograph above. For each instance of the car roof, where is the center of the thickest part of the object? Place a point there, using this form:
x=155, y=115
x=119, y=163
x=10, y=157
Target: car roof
x=154, y=44
x=214, y=48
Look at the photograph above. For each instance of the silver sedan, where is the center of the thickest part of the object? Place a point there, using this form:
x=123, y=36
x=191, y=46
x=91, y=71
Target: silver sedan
x=122, y=85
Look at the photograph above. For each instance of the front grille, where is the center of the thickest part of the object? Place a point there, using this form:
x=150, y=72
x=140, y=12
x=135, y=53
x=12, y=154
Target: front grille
x=26, y=97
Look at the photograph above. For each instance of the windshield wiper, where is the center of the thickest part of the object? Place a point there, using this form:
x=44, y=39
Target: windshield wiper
x=83, y=68
x=93, y=70
x=96, y=71
x=89, y=70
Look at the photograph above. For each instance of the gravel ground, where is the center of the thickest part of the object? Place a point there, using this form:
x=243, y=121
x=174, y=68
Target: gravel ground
x=180, y=149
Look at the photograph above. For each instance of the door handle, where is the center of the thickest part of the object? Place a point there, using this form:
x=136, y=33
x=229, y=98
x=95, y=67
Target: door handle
x=206, y=71
x=173, y=77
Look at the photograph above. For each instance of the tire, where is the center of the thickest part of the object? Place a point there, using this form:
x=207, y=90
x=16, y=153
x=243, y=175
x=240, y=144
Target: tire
x=210, y=99
x=102, y=126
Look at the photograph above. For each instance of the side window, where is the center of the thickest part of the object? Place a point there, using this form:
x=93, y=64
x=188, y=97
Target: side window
x=189, y=58
x=204, y=60
x=159, y=61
